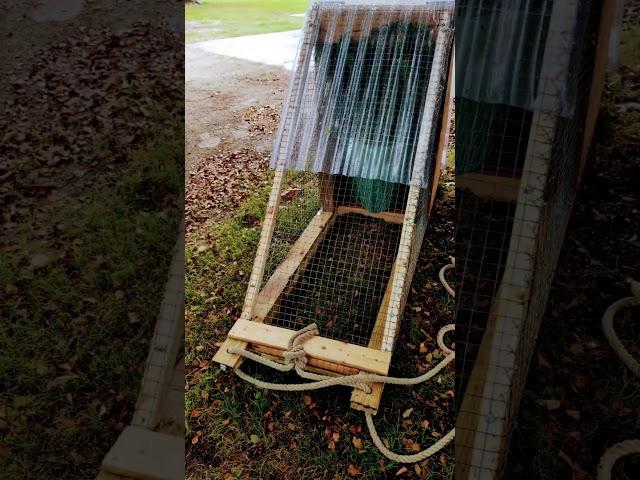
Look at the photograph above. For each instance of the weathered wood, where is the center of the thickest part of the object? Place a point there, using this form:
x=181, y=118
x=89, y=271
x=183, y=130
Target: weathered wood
x=495, y=187
x=389, y=217
x=143, y=454
x=326, y=188
x=321, y=348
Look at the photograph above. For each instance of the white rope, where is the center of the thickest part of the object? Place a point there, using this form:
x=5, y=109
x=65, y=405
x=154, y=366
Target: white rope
x=627, y=447
x=295, y=358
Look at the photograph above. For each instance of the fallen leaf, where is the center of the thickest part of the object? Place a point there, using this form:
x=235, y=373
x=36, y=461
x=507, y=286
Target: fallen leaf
x=357, y=442
x=307, y=400
x=353, y=471
x=402, y=471
x=551, y=404
x=407, y=413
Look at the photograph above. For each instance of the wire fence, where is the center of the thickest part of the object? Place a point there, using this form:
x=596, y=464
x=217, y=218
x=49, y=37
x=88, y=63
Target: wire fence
x=517, y=172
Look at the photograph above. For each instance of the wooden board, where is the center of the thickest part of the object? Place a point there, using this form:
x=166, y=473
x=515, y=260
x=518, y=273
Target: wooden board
x=333, y=32
x=495, y=187
x=313, y=364
x=295, y=262
x=389, y=217
x=275, y=286
x=321, y=348
x=165, y=344
x=445, y=126
x=598, y=80
x=142, y=454
x=369, y=402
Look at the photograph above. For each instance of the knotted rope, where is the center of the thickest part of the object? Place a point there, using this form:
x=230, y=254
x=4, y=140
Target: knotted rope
x=627, y=447
x=295, y=358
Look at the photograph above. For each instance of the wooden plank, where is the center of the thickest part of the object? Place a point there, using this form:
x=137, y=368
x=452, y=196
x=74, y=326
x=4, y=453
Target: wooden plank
x=495, y=187
x=598, y=80
x=222, y=356
x=484, y=418
x=369, y=402
x=403, y=270
x=445, y=126
x=376, y=19
x=313, y=364
x=285, y=276
x=143, y=454
x=389, y=217
x=326, y=187
x=165, y=344
x=321, y=348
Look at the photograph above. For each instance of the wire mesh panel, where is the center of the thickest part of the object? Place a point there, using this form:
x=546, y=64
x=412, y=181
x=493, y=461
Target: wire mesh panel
x=517, y=171
x=361, y=138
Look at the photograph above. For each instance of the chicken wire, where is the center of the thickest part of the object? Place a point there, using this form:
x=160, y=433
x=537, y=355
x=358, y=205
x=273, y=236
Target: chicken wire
x=507, y=251
x=360, y=126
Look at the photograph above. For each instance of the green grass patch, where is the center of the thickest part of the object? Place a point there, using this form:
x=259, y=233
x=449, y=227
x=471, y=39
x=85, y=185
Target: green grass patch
x=281, y=435
x=234, y=18
x=74, y=335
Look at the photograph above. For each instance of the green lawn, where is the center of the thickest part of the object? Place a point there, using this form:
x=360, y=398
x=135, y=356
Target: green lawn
x=234, y=18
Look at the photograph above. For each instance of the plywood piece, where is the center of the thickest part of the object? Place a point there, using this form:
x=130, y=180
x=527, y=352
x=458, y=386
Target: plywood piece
x=503, y=189
x=389, y=217
x=321, y=348
x=143, y=454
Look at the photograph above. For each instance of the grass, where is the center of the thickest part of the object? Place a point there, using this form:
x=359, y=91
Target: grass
x=234, y=18
x=74, y=334
x=235, y=431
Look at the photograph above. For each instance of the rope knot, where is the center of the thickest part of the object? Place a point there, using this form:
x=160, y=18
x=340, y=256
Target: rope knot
x=295, y=351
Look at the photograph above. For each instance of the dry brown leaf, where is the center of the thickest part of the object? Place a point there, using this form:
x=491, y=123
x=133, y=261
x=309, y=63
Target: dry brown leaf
x=402, y=471
x=357, y=442
x=407, y=413
x=352, y=470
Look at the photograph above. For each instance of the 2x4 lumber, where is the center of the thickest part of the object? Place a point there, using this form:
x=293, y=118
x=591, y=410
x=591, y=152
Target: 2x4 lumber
x=443, y=143
x=599, y=74
x=293, y=264
x=389, y=217
x=408, y=235
x=495, y=187
x=165, y=344
x=320, y=348
x=326, y=186
x=313, y=364
x=369, y=402
x=484, y=418
x=275, y=286
x=143, y=454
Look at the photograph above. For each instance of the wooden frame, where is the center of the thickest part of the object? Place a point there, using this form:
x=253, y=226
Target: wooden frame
x=324, y=354
x=483, y=421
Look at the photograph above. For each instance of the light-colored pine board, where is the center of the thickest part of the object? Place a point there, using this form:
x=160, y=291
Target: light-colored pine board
x=321, y=348
x=403, y=270
x=389, y=217
x=313, y=364
x=369, y=402
x=142, y=454
x=284, y=277
x=445, y=127
x=484, y=418
x=495, y=187
x=599, y=74
x=165, y=344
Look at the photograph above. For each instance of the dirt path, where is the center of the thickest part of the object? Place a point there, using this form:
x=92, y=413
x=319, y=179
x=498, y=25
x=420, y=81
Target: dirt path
x=220, y=94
